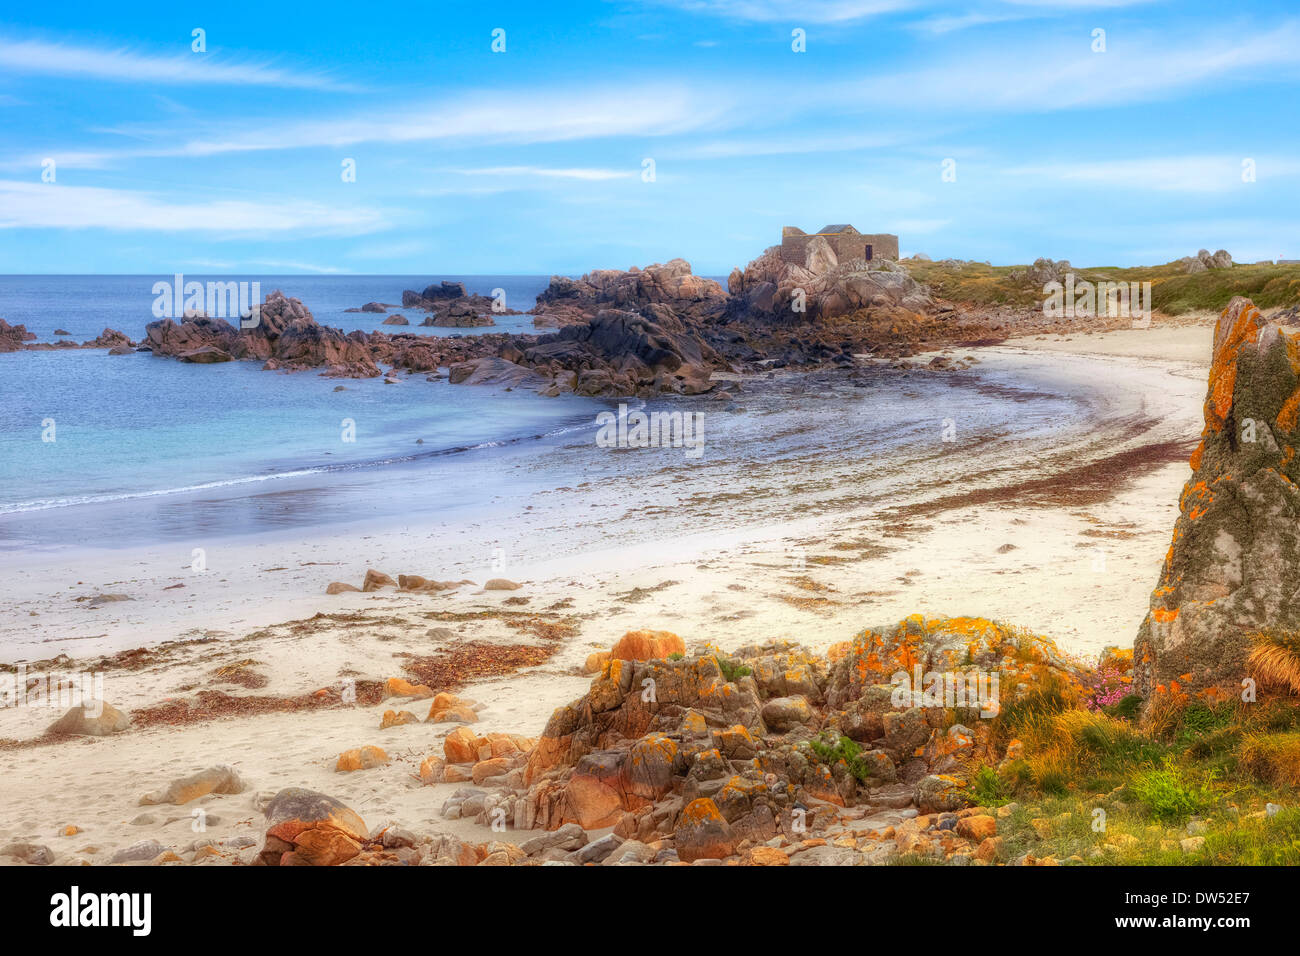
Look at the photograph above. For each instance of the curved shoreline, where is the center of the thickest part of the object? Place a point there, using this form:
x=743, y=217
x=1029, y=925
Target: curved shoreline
x=865, y=562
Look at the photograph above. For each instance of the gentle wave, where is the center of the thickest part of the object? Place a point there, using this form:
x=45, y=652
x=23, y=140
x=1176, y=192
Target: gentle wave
x=46, y=504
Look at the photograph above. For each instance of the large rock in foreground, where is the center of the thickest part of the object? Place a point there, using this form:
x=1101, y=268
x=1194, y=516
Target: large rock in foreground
x=1234, y=565
x=718, y=752
x=306, y=828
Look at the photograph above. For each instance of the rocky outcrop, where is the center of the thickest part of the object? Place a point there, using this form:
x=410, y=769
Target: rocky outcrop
x=110, y=339
x=286, y=338
x=623, y=353
x=453, y=307
x=460, y=315
x=12, y=337
x=672, y=284
x=495, y=371
x=823, y=287
x=713, y=755
x=1044, y=271
x=434, y=295
x=1203, y=260
x=1233, y=567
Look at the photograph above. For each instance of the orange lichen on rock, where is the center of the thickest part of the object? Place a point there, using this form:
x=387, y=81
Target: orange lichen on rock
x=647, y=645
x=361, y=758
x=1287, y=418
x=1238, y=324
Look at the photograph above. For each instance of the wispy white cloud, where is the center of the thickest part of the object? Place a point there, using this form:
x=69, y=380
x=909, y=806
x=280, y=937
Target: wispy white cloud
x=792, y=11
x=122, y=65
x=950, y=23
x=53, y=206
x=296, y=266
x=588, y=174
x=476, y=118
x=1135, y=69
x=1183, y=174
x=787, y=143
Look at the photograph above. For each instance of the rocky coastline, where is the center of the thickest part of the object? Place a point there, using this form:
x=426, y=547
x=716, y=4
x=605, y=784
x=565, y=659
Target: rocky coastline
x=642, y=332
x=770, y=752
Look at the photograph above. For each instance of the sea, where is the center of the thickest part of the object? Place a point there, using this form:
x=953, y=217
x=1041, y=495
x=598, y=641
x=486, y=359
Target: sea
x=112, y=451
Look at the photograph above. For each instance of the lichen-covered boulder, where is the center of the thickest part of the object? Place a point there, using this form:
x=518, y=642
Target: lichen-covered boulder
x=1234, y=563
x=306, y=828
x=703, y=833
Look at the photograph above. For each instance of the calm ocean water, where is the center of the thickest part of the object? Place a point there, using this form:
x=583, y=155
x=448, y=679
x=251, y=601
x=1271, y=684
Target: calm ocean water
x=149, y=450
x=136, y=426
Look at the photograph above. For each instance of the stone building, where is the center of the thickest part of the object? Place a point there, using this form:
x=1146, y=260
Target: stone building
x=846, y=242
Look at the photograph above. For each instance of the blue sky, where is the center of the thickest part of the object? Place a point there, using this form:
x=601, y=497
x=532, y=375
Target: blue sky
x=531, y=160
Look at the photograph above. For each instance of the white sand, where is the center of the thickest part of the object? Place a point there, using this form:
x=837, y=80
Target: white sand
x=1081, y=573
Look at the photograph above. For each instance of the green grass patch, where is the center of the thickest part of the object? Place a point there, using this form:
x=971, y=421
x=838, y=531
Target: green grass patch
x=732, y=670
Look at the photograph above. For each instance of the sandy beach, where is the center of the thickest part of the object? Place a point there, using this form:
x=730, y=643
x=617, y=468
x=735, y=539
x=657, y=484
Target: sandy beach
x=1062, y=537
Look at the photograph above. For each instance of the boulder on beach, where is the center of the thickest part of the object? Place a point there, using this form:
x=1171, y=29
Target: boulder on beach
x=222, y=780
x=401, y=687
x=306, y=828
x=377, y=579
x=141, y=852
x=360, y=758
x=33, y=854
x=98, y=720
x=647, y=645
x=397, y=718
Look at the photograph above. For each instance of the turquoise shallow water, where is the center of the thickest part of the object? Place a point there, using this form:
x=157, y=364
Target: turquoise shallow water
x=150, y=450
x=135, y=427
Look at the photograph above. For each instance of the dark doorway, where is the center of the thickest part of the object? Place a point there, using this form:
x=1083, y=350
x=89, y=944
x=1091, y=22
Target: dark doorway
x=868, y=255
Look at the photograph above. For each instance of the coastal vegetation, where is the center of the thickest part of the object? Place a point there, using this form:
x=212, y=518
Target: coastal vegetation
x=1174, y=290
